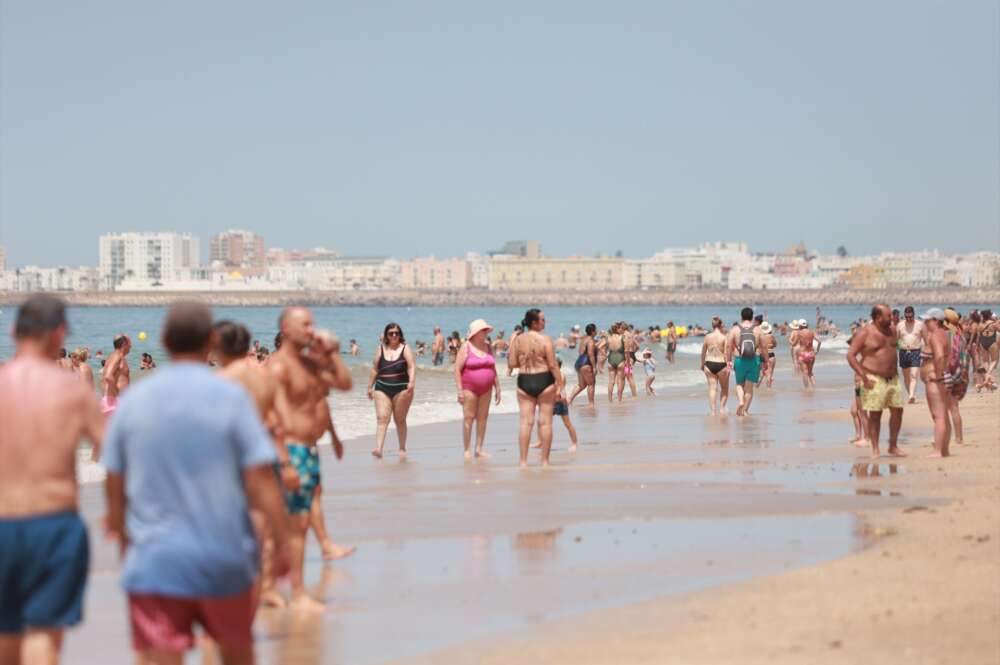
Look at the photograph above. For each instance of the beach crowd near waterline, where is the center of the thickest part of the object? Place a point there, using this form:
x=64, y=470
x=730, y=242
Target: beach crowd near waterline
x=287, y=395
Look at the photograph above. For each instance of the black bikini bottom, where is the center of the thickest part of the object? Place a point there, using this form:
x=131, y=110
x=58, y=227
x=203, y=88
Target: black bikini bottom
x=535, y=384
x=714, y=366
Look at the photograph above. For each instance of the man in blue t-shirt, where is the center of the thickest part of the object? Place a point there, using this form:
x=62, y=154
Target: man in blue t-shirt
x=187, y=456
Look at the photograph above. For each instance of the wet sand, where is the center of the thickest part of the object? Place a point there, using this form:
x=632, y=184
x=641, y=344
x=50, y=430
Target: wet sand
x=926, y=589
x=470, y=562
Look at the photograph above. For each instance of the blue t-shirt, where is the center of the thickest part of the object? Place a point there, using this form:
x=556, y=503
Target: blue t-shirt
x=182, y=438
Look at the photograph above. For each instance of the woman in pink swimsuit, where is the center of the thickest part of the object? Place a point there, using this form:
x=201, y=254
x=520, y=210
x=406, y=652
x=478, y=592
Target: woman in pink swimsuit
x=475, y=376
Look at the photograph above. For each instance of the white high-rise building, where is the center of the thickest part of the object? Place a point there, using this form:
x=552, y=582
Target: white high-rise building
x=3, y=258
x=152, y=257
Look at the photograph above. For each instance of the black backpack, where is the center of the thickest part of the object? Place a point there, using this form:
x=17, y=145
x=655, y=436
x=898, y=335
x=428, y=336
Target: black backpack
x=748, y=343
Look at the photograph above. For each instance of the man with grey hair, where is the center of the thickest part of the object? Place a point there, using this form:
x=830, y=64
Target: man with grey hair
x=44, y=413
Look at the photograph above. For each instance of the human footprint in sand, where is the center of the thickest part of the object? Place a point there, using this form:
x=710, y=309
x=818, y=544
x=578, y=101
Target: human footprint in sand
x=872, y=356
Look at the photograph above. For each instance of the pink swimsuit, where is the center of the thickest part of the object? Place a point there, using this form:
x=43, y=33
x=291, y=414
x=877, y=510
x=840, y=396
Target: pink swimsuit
x=479, y=372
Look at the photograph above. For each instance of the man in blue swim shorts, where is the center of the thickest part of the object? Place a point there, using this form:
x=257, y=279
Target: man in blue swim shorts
x=745, y=351
x=45, y=411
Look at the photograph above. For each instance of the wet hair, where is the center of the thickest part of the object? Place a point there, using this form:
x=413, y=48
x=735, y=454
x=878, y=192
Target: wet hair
x=908, y=309
x=119, y=341
x=530, y=317
x=591, y=329
x=39, y=315
x=393, y=326
x=746, y=314
x=716, y=322
x=234, y=338
x=759, y=319
x=188, y=327
x=895, y=312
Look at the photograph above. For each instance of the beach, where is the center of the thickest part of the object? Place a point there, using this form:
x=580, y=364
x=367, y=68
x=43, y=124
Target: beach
x=669, y=537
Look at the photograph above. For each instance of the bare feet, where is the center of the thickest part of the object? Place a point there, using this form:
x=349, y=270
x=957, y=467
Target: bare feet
x=482, y=453
x=271, y=598
x=332, y=551
x=912, y=400
x=523, y=465
x=860, y=443
x=896, y=452
x=536, y=444
x=402, y=453
x=305, y=603
x=739, y=410
x=572, y=448
x=377, y=454
x=468, y=454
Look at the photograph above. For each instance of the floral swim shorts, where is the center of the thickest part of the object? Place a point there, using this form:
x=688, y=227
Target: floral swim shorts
x=305, y=461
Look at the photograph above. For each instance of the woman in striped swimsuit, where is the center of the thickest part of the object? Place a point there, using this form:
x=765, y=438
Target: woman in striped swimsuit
x=391, y=386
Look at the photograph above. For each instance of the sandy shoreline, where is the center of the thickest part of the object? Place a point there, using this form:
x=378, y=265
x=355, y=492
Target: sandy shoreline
x=926, y=590
x=599, y=560
x=404, y=298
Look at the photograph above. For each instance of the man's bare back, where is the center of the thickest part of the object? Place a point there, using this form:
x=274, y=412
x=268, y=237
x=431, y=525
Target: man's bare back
x=45, y=413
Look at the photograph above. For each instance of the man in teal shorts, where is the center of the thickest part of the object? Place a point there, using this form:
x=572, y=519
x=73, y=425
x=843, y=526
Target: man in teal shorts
x=745, y=354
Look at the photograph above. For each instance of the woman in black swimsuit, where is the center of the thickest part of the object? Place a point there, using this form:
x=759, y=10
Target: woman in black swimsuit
x=538, y=382
x=713, y=364
x=585, y=364
x=391, y=386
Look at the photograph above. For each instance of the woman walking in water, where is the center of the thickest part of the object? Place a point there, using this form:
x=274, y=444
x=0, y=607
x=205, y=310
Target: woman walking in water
x=586, y=365
x=538, y=382
x=617, y=361
x=476, y=377
x=713, y=364
x=391, y=386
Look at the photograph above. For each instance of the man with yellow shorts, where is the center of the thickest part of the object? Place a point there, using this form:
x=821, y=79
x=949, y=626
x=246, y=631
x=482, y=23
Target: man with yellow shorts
x=872, y=356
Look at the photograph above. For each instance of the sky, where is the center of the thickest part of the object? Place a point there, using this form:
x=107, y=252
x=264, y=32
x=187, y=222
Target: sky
x=417, y=128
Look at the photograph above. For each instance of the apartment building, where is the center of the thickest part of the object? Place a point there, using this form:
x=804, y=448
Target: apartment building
x=151, y=257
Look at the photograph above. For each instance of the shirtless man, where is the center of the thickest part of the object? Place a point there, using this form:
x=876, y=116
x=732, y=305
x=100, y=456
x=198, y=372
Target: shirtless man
x=875, y=343
x=115, y=376
x=231, y=352
x=300, y=399
x=80, y=366
x=806, y=339
x=910, y=334
x=671, y=341
x=437, y=347
x=574, y=337
x=45, y=412
x=500, y=345
x=746, y=355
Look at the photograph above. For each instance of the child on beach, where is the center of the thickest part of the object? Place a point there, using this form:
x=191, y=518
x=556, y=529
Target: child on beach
x=649, y=366
x=562, y=409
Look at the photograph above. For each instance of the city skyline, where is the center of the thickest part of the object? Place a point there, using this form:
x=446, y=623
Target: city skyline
x=377, y=129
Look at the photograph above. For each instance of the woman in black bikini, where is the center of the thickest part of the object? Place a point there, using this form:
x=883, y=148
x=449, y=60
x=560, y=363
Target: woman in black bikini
x=391, y=386
x=585, y=364
x=713, y=364
x=538, y=382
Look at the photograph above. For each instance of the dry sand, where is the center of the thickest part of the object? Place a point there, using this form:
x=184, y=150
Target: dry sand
x=926, y=589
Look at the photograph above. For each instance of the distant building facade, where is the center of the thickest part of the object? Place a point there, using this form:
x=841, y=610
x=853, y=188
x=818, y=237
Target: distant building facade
x=145, y=257
x=438, y=274
x=546, y=274
x=241, y=251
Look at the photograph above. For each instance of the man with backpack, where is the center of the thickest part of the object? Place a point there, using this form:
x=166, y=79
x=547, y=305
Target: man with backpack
x=746, y=354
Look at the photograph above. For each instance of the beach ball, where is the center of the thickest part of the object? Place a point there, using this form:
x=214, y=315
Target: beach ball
x=142, y=336
x=682, y=331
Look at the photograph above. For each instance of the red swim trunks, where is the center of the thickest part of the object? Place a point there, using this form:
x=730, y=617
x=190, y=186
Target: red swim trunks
x=166, y=624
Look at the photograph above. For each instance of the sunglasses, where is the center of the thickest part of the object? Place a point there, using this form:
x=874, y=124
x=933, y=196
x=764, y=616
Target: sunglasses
x=393, y=333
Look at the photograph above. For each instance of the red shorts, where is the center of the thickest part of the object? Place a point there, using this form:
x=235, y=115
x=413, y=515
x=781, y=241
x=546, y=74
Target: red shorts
x=165, y=624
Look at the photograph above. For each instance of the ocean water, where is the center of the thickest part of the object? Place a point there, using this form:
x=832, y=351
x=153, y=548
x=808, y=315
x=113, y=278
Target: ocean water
x=435, y=393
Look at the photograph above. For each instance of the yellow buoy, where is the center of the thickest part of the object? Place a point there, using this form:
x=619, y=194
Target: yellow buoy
x=142, y=336
x=664, y=334
x=682, y=331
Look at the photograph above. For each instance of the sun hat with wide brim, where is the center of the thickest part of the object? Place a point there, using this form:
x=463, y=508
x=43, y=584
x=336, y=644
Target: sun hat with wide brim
x=477, y=326
x=766, y=328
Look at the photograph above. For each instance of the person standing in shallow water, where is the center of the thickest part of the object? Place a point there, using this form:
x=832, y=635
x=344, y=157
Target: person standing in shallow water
x=45, y=411
x=715, y=368
x=872, y=356
x=586, y=365
x=746, y=354
x=476, y=378
x=390, y=386
x=538, y=382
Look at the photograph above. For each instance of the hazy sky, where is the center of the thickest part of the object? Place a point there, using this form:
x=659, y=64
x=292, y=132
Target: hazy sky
x=402, y=128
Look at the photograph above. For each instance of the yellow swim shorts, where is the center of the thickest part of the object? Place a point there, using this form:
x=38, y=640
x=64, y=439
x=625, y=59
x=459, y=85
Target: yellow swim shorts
x=886, y=393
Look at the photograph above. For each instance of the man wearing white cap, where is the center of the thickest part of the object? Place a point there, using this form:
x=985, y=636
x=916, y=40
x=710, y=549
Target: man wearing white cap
x=937, y=380
x=879, y=376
